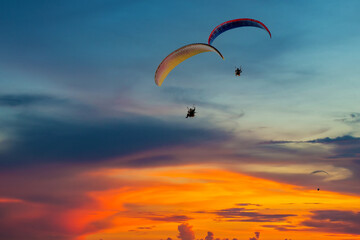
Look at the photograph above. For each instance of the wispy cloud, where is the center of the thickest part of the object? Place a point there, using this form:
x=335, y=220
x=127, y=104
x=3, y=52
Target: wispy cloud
x=248, y=204
x=23, y=100
x=334, y=221
x=41, y=139
x=282, y=227
x=248, y=215
x=352, y=118
x=171, y=218
x=346, y=139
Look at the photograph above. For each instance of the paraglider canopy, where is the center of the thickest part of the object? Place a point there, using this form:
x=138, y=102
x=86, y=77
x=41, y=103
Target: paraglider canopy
x=319, y=171
x=241, y=22
x=178, y=56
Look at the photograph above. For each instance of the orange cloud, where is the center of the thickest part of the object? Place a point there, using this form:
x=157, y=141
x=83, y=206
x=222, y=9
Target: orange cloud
x=226, y=202
x=110, y=203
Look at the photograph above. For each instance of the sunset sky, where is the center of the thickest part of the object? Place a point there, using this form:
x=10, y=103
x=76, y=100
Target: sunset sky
x=91, y=148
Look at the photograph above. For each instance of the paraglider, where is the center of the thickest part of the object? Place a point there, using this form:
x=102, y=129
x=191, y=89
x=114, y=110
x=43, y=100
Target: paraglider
x=191, y=112
x=238, y=71
x=188, y=51
x=178, y=56
x=241, y=22
x=317, y=172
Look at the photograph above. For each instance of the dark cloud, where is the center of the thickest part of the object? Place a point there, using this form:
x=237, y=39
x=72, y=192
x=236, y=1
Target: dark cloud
x=347, y=146
x=146, y=228
x=346, y=139
x=18, y=100
x=138, y=229
x=171, y=218
x=257, y=235
x=334, y=221
x=248, y=204
x=283, y=227
x=343, y=140
x=209, y=236
x=355, y=117
x=43, y=140
x=249, y=215
x=136, y=211
x=351, y=118
x=186, y=232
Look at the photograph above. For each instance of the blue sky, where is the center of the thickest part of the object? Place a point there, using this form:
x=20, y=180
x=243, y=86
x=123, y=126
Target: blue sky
x=97, y=52
x=94, y=61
